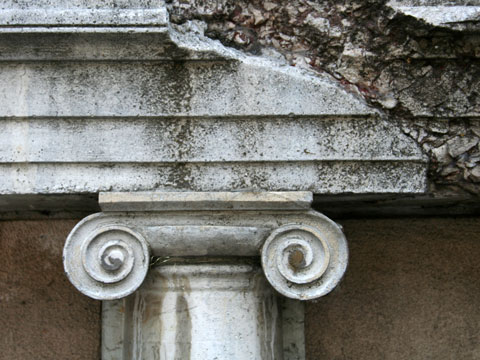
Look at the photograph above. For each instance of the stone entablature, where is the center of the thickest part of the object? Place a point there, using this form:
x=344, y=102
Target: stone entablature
x=121, y=100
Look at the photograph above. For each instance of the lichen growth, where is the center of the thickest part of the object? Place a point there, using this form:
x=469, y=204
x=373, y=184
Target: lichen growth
x=408, y=69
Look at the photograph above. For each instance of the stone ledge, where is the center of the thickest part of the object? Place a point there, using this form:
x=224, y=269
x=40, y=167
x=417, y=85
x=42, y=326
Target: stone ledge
x=182, y=201
x=54, y=17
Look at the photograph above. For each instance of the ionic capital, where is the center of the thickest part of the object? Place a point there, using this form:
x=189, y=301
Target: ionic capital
x=303, y=253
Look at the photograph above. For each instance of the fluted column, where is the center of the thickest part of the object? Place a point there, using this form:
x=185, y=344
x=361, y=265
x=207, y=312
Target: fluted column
x=194, y=275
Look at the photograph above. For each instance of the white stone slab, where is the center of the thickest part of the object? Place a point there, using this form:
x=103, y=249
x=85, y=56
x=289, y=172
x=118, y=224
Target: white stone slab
x=130, y=89
x=458, y=15
x=80, y=16
x=199, y=201
x=195, y=140
x=324, y=155
x=330, y=177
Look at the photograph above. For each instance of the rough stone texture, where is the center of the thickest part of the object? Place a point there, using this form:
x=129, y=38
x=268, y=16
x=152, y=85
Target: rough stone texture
x=454, y=151
x=410, y=292
x=404, y=66
x=42, y=315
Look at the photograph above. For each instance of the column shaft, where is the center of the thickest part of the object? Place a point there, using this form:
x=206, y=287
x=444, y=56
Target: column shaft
x=202, y=311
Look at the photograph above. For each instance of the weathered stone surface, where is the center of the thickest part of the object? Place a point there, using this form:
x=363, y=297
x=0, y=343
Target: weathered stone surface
x=79, y=15
x=246, y=139
x=364, y=44
x=453, y=147
x=227, y=88
x=324, y=155
x=401, y=64
x=460, y=145
x=329, y=177
x=458, y=15
x=196, y=311
x=173, y=109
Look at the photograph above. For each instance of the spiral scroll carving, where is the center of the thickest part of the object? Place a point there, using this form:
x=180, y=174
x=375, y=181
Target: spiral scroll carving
x=109, y=263
x=303, y=262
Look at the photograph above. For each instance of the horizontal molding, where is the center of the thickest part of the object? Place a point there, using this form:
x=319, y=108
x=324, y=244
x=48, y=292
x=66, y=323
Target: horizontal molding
x=35, y=18
x=319, y=177
x=98, y=44
x=183, y=88
x=195, y=140
x=204, y=201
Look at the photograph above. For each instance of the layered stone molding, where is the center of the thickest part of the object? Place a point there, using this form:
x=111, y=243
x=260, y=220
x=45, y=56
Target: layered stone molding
x=119, y=99
x=195, y=273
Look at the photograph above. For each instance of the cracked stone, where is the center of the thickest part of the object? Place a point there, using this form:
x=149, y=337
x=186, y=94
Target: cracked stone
x=440, y=127
x=441, y=154
x=475, y=174
x=476, y=130
x=449, y=170
x=459, y=145
x=405, y=67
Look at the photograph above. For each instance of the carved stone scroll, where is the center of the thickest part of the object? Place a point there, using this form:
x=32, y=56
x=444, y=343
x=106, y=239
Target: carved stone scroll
x=304, y=262
x=109, y=263
x=303, y=253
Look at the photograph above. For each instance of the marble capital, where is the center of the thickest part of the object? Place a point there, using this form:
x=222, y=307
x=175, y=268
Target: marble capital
x=108, y=255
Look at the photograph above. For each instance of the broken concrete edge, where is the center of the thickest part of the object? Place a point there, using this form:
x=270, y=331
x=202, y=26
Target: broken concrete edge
x=453, y=17
x=255, y=28
x=199, y=201
x=190, y=37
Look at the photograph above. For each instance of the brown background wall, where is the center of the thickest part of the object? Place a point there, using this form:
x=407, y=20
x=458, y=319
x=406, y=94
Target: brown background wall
x=42, y=316
x=411, y=291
